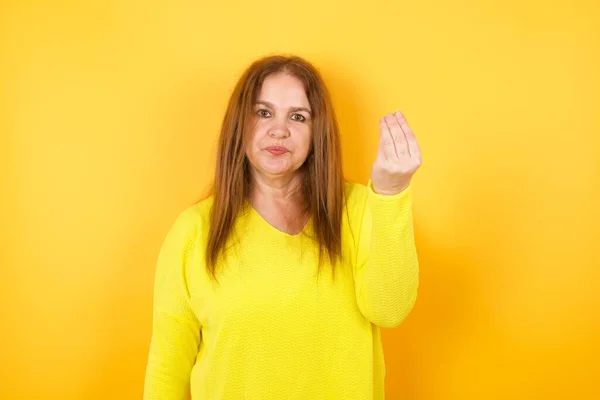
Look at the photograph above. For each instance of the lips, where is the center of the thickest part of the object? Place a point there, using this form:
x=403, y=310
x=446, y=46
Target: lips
x=277, y=150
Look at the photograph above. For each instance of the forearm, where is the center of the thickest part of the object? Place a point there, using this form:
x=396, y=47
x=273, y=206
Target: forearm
x=176, y=331
x=173, y=350
x=390, y=272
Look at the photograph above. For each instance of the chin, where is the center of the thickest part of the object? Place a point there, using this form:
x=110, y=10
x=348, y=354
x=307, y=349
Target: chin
x=270, y=170
x=276, y=167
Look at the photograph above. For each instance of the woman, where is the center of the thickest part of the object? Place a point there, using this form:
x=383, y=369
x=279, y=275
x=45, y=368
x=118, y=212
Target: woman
x=276, y=285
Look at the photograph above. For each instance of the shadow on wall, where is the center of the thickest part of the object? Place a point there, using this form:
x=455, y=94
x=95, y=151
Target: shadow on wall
x=455, y=333
x=424, y=354
x=446, y=305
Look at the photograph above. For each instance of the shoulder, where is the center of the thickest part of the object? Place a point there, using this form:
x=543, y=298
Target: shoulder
x=356, y=196
x=191, y=224
x=198, y=213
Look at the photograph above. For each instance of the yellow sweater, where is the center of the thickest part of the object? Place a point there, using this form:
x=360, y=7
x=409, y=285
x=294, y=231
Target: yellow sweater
x=270, y=330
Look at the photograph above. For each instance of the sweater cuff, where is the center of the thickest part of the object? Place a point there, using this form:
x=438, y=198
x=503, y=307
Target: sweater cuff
x=403, y=195
x=390, y=213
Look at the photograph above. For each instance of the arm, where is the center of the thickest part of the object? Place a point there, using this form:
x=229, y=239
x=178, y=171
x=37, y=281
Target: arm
x=175, y=329
x=387, y=267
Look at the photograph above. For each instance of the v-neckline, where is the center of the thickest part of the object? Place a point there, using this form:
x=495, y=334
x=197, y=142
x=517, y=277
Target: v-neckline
x=263, y=221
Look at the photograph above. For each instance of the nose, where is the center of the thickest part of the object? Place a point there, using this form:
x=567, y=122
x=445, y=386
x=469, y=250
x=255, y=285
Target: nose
x=279, y=130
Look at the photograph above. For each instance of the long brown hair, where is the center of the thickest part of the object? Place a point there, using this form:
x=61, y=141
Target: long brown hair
x=323, y=183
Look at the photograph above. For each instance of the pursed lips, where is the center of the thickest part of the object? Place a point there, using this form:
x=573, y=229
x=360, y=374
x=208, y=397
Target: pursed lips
x=277, y=150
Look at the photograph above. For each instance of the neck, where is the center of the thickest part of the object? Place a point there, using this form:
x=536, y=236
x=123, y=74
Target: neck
x=284, y=189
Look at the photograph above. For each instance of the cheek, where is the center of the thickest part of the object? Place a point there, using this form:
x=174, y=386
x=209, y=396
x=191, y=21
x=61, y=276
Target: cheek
x=254, y=138
x=306, y=140
x=302, y=146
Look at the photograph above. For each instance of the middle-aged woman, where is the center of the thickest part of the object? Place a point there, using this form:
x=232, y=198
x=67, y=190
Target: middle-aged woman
x=277, y=284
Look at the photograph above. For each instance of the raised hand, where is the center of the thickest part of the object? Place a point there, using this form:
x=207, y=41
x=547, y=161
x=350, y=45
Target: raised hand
x=398, y=156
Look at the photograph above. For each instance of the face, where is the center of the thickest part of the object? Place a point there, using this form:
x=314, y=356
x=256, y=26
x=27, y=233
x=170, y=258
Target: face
x=281, y=139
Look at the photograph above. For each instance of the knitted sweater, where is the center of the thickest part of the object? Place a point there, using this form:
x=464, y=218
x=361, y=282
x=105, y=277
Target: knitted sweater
x=272, y=329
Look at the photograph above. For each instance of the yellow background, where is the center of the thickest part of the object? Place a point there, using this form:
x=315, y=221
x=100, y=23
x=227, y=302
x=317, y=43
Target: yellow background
x=109, y=112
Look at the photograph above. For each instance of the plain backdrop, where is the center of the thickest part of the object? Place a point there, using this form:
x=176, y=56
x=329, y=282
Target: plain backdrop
x=109, y=113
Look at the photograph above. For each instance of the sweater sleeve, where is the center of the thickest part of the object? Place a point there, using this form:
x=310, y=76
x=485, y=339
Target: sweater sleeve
x=175, y=330
x=387, y=267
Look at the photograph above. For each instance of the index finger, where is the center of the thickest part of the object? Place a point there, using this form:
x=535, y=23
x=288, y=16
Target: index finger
x=397, y=134
x=413, y=146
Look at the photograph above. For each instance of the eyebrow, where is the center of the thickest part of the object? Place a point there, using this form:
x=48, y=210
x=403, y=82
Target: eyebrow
x=292, y=109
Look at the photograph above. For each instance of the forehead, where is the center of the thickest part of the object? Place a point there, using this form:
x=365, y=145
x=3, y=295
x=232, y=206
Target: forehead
x=283, y=90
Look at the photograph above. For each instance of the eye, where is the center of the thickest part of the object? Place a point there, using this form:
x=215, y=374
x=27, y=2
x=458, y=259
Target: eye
x=263, y=113
x=298, y=117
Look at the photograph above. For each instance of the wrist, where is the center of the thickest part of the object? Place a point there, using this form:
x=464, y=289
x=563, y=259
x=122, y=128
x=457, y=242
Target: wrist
x=385, y=191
